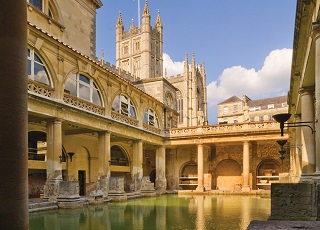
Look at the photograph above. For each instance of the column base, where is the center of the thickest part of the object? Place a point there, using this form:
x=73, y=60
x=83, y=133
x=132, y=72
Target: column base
x=316, y=177
x=200, y=189
x=246, y=188
x=306, y=178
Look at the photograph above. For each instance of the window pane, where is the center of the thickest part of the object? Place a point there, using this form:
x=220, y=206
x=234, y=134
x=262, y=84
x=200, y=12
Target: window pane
x=40, y=74
x=124, y=109
x=115, y=104
x=84, y=79
x=145, y=118
x=36, y=3
x=71, y=87
x=132, y=111
x=96, y=97
x=84, y=92
x=29, y=68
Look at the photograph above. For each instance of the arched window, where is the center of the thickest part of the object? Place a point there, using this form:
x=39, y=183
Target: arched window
x=36, y=69
x=118, y=156
x=83, y=87
x=151, y=118
x=123, y=104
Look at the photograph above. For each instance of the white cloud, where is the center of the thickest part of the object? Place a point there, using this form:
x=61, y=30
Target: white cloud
x=271, y=80
x=172, y=68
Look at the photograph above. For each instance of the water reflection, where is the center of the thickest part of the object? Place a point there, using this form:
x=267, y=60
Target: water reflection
x=164, y=212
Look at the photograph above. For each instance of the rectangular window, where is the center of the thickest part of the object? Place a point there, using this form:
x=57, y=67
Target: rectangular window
x=235, y=109
x=260, y=118
x=251, y=119
x=235, y=120
x=285, y=104
x=225, y=110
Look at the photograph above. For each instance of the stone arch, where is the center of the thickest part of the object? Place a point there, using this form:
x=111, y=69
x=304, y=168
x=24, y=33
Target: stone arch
x=119, y=156
x=227, y=175
x=267, y=172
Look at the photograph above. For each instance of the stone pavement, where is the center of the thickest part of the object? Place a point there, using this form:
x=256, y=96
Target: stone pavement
x=283, y=224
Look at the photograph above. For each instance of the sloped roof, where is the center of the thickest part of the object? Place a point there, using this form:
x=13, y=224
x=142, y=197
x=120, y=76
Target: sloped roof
x=267, y=101
x=230, y=100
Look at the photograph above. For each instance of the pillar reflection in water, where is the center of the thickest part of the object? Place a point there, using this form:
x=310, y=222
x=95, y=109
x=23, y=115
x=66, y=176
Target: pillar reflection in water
x=195, y=212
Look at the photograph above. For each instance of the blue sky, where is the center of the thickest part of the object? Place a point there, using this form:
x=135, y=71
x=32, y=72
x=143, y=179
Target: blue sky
x=246, y=45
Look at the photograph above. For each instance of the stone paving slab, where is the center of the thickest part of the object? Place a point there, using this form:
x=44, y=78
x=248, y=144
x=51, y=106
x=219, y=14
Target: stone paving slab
x=284, y=225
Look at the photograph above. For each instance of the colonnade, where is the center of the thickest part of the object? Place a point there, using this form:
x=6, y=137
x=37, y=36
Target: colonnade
x=54, y=166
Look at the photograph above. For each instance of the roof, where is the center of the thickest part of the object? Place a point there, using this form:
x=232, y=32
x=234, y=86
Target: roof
x=268, y=101
x=230, y=100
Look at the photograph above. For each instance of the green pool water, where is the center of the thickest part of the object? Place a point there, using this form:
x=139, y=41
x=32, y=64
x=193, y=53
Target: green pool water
x=170, y=212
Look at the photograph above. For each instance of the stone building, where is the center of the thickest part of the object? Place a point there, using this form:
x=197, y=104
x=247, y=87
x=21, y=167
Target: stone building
x=235, y=110
x=100, y=130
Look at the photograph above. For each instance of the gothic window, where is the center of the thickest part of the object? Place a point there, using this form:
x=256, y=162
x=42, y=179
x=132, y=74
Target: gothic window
x=83, y=87
x=123, y=104
x=151, y=118
x=125, y=49
x=180, y=107
x=36, y=69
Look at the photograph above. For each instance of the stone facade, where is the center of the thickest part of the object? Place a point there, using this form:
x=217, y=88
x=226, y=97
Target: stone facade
x=101, y=127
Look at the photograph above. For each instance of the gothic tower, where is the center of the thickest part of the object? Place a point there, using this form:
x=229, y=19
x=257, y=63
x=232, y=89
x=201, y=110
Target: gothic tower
x=139, y=50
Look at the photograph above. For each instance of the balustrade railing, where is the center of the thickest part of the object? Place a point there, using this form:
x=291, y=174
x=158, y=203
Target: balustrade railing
x=39, y=88
x=224, y=129
x=82, y=104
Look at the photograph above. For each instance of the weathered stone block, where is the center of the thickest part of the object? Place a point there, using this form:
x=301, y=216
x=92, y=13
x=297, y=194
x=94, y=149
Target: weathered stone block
x=293, y=201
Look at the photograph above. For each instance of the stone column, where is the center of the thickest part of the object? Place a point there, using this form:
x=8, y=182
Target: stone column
x=245, y=173
x=317, y=101
x=14, y=116
x=200, y=187
x=54, y=151
x=161, y=181
x=297, y=152
x=307, y=137
x=104, y=161
x=137, y=171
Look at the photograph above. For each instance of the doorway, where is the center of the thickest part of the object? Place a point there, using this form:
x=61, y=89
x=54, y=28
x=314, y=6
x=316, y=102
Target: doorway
x=82, y=182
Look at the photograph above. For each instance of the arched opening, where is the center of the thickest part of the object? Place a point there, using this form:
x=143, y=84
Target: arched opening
x=189, y=176
x=228, y=175
x=118, y=156
x=267, y=173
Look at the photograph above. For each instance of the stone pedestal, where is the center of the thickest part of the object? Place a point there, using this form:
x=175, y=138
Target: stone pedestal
x=116, y=189
x=147, y=187
x=68, y=196
x=51, y=190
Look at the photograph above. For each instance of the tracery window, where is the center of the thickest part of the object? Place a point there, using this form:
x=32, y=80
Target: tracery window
x=151, y=118
x=36, y=69
x=123, y=104
x=83, y=87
